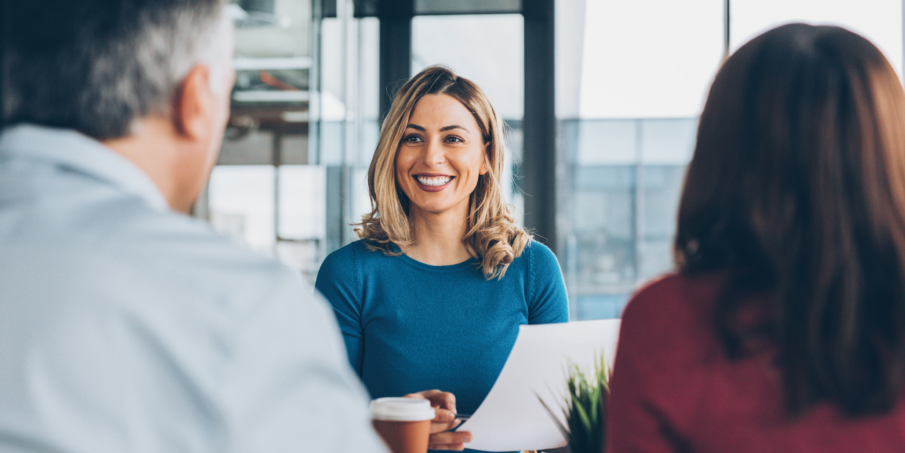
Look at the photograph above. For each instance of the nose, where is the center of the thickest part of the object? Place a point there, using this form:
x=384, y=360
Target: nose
x=434, y=154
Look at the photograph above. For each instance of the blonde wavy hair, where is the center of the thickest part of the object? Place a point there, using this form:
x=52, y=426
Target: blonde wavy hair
x=491, y=233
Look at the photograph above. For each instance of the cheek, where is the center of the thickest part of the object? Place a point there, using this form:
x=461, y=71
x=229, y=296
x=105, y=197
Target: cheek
x=474, y=165
x=401, y=166
x=405, y=160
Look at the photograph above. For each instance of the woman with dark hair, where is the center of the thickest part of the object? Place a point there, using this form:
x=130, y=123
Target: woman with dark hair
x=784, y=328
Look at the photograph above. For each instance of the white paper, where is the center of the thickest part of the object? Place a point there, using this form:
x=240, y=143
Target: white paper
x=512, y=417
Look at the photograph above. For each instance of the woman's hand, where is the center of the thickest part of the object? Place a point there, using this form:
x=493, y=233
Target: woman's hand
x=444, y=404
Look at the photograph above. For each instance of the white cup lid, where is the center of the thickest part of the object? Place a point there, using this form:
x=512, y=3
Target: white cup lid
x=401, y=409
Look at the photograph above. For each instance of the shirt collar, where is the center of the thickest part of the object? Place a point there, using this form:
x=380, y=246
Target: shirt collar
x=76, y=152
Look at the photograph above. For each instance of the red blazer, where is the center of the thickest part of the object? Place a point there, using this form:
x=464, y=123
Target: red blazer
x=674, y=390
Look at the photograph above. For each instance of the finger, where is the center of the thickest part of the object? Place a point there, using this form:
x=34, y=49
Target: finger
x=444, y=427
x=445, y=400
x=450, y=438
x=418, y=395
x=443, y=415
x=444, y=421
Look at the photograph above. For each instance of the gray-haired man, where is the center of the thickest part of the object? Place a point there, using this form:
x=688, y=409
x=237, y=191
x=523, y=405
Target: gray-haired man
x=126, y=326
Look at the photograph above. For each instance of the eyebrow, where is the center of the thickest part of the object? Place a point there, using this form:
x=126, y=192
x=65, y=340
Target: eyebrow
x=443, y=129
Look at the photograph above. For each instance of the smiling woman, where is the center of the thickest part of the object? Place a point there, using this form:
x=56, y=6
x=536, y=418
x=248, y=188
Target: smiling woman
x=433, y=294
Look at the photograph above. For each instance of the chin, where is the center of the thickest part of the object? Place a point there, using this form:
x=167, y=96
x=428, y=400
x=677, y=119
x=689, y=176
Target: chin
x=431, y=209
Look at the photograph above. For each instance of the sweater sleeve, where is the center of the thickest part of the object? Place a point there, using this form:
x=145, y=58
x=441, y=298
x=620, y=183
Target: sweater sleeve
x=339, y=280
x=547, y=299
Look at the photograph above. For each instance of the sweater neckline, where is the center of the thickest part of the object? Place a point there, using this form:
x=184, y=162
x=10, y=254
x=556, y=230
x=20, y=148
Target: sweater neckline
x=470, y=263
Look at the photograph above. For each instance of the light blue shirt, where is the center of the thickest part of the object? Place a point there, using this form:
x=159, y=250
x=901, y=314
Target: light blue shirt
x=127, y=327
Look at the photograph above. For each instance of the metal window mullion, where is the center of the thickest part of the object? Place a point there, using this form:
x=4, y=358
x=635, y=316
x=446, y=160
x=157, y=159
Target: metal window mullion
x=277, y=161
x=638, y=214
x=539, y=161
x=395, y=48
x=344, y=15
x=726, y=29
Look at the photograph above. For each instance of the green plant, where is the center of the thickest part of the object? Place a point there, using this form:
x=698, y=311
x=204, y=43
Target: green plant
x=584, y=407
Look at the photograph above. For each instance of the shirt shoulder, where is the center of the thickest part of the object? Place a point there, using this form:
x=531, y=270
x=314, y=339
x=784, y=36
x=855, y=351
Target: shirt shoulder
x=345, y=255
x=668, y=323
x=536, y=259
x=356, y=253
x=674, y=297
x=169, y=256
x=190, y=243
x=347, y=263
x=541, y=256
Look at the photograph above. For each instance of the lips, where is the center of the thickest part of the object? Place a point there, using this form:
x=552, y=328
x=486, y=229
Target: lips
x=433, y=183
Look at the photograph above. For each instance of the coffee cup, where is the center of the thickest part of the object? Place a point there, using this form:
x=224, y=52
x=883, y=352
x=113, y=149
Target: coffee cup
x=403, y=423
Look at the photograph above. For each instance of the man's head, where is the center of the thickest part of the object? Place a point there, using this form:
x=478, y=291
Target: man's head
x=129, y=73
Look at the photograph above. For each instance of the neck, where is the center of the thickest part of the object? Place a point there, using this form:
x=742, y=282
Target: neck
x=151, y=147
x=438, y=237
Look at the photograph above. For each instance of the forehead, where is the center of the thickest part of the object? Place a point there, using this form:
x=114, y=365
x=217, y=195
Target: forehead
x=435, y=111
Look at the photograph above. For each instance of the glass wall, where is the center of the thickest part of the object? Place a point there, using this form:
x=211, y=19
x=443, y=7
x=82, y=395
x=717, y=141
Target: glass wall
x=631, y=79
x=628, y=124
x=348, y=117
x=291, y=175
x=265, y=193
x=645, y=68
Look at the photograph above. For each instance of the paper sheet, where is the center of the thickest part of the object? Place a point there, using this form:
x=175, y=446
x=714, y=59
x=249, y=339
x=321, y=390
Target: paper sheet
x=512, y=417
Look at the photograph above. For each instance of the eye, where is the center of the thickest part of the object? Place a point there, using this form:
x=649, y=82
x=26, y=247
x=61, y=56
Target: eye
x=412, y=138
x=454, y=139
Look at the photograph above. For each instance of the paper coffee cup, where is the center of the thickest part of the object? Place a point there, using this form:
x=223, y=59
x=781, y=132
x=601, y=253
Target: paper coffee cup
x=403, y=423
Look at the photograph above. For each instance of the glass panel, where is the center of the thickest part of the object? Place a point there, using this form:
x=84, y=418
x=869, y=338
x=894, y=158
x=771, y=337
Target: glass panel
x=666, y=147
x=290, y=177
x=241, y=204
x=625, y=179
x=273, y=63
x=489, y=50
x=628, y=123
x=649, y=59
x=627, y=128
x=878, y=20
x=302, y=203
x=262, y=179
x=301, y=216
x=349, y=113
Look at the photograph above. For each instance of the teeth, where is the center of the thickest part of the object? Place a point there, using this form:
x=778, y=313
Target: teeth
x=433, y=181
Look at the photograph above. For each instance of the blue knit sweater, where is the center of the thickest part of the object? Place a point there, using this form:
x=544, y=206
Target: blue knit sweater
x=409, y=326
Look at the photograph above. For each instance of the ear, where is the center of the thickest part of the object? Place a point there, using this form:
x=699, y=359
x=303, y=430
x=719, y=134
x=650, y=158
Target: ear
x=193, y=106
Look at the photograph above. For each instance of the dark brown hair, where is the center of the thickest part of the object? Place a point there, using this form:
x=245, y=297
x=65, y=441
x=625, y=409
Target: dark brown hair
x=797, y=190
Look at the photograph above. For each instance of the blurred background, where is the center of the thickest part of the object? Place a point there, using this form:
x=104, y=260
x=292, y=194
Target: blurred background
x=601, y=99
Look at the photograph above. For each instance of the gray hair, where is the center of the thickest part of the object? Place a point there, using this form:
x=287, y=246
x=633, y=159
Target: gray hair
x=98, y=65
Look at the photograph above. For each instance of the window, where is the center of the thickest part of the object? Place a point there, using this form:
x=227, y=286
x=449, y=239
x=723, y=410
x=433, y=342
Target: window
x=627, y=127
x=627, y=134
